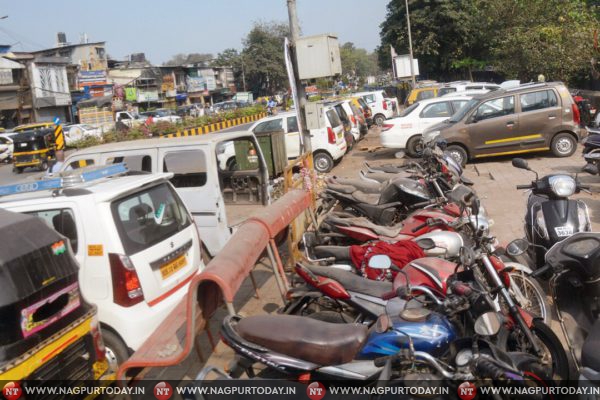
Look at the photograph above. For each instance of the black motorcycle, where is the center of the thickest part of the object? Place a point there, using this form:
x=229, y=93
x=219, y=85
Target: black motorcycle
x=551, y=216
x=573, y=268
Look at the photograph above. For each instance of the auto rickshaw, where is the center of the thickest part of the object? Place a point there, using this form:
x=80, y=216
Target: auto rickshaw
x=34, y=148
x=32, y=126
x=48, y=333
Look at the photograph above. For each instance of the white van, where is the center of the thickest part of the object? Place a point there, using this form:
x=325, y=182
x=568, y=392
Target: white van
x=134, y=240
x=328, y=144
x=215, y=196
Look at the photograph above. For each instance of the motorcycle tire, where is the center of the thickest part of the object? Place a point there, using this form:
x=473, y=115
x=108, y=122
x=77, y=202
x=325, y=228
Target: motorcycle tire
x=533, y=292
x=513, y=340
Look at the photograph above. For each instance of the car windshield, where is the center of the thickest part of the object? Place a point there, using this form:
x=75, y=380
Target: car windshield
x=333, y=117
x=409, y=109
x=148, y=217
x=460, y=114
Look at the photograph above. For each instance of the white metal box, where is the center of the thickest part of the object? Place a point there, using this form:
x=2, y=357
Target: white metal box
x=314, y=115
x=402, y=66
x=318, y=56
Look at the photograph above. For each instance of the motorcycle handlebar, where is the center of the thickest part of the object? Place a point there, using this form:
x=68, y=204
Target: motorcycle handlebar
x=461, y=289
x=424, y=204
x=520, y=187
x=419, y=227
x=539, y=272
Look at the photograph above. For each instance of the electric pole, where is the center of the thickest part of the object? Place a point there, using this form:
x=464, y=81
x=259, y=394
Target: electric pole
x=301, y=96
x=410, y=49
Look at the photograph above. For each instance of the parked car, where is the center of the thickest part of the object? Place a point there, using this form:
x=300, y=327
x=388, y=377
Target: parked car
x=128, y=118
x=405, y=131
x=461, y=86
x=524, y=119
x=227, y=106
x=359, y=117
x=136, y=245
x=382, y=107
x=77, y=132
x=161, y=115
x=33, y=126
x=420, y=93
x=351, y=133
x=207, y=187
x=364, y=107
x=328, y=144
x=7, y=148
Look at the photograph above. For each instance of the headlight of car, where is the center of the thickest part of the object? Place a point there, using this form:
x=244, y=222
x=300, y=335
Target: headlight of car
x=541, y=224
x=562, y=185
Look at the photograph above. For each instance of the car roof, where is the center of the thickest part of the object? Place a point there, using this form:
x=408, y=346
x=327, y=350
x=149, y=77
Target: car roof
x=161, y=142
x=523, y=88
x=104, y=189
x=444, y=98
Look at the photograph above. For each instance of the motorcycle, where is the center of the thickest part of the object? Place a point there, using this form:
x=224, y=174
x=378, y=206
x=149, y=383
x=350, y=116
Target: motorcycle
x=572, y=270
x=551, y=216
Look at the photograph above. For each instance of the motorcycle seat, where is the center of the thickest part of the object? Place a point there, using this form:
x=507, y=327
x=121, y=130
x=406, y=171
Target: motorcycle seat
x=344, y=185
x=590, y=355
x=307, y=339
x=368, y=198
x=340, y=253
x=361, y=222
x=352, y=282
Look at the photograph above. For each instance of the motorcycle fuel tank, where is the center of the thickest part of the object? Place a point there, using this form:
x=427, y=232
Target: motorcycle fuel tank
x=447, y=244
x=432, y=333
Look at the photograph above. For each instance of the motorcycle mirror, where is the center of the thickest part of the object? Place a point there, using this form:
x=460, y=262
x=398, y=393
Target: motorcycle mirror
x=475, y=206
x=400, y=154
x=517, y=247
x=590, y=169
x=380, y=261
x=426, y=243
x=520, y=163
x=488, y=324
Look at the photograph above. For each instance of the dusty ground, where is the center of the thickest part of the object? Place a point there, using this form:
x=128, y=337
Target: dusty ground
x=495, y=180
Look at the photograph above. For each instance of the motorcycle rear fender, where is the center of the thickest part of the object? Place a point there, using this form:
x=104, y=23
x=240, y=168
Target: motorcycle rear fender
x=518, y=267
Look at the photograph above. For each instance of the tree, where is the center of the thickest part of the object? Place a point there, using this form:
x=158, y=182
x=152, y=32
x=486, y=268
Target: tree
x=264, y=64
x=192, y=58
x=357, y=63
x=232, y=58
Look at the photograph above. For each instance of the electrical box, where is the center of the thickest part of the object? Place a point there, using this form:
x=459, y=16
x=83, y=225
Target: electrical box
x=314, y=115
x=402, y=66
x=318, y=56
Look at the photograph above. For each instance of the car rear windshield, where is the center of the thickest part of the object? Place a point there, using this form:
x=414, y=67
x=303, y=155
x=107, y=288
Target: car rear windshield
x=333, y=117
x=148, y=217
x=409, y=109
x=464, y=110
x=446, y=90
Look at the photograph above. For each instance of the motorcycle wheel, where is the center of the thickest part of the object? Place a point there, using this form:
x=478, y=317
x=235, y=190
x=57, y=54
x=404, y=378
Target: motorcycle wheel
x=530, y=296
x=554, y=355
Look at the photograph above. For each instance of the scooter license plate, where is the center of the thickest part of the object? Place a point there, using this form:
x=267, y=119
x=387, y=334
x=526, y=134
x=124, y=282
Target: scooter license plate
x=173, y=266
x=563, y=231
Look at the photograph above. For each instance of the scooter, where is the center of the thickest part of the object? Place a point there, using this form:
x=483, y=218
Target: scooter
x=551, y=216
x=572, y=268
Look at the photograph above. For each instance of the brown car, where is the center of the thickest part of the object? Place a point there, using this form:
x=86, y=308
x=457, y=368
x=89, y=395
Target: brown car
x=524, y=119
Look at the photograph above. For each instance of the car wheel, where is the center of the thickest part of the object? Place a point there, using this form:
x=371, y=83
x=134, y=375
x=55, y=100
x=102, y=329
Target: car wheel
x=563, y=145
x=44, y=166
x=115, y=350
x=414, y=146
x=458, y=153
x=18, y=170
x=323, y=162
x=379, y=119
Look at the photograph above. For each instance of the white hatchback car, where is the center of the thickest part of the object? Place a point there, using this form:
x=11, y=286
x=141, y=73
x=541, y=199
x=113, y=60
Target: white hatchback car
x=328, y=144
x=405, y=132
x=135, y=242
x=382, y=107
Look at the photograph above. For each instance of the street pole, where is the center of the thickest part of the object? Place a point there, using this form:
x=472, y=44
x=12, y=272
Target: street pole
x=301, y=96
x=410, y=49
x=243, y=75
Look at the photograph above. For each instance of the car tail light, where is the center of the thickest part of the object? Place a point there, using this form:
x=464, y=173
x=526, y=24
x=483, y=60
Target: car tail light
x=127, y=290
x=385, y=105
x=576, y=113
x=98, y=342
x=353, y=119
x=330, y=135
x=386, y=127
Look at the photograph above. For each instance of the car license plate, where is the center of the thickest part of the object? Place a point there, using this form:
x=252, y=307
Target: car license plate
x=173, y=266
x=563, y=231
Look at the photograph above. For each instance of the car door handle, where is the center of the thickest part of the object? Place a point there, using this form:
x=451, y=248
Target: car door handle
x=510, y=124
x=551, y=116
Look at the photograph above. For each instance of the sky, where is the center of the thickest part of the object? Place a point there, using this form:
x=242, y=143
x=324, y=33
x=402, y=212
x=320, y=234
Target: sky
x=161, y=29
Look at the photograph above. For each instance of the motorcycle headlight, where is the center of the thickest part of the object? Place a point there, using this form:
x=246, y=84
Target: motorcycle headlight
x=541, y=224
x=562, y=185
x=481, y=223
x=584, y=217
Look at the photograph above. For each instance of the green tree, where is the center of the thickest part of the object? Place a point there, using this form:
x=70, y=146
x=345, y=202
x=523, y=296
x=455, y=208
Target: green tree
x=264, y=64
x=357, y=63
x=232, y=58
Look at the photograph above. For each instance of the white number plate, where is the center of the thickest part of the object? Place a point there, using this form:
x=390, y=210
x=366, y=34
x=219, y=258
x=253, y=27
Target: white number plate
x=562, y=231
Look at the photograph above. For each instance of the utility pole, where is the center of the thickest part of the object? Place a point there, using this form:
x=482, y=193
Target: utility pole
x=243, y=75
x=301, y=96
x=410, y=49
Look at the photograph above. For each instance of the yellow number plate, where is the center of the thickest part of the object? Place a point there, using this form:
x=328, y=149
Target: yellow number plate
x=173, y=266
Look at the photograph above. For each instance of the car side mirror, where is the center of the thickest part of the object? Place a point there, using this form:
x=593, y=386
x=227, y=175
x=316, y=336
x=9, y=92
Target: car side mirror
x=520, y=163
x=591, y=169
